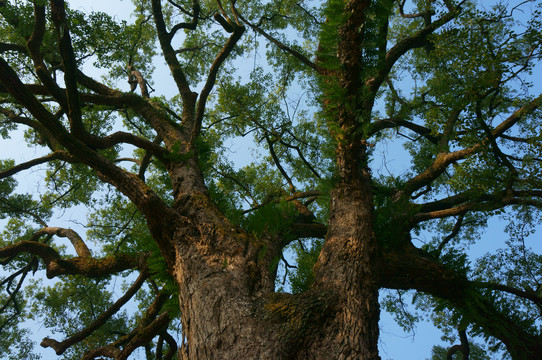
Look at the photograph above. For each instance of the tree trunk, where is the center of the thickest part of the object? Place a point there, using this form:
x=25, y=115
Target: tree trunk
x=228, y=306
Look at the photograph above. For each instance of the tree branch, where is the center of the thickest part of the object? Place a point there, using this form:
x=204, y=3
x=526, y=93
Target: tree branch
x=57, y=155
x=150, y=326
x=305, y=60
x=443, y=160
x=392, y=123
x=61, y=347
x=191, y=25
x=409, y=268
x=417, y=40
x=187, y=95
x=58, y=15
x=211, y=78
x=79, y=245
x=55, y=265
x=463, y=347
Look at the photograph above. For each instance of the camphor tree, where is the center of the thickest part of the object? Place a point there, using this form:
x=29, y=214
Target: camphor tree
x=198, y=240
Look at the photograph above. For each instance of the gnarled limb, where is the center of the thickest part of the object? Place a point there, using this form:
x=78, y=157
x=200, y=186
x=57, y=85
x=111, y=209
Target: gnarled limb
x=55, y=265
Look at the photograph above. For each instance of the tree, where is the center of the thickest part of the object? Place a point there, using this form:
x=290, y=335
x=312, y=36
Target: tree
x=200, y=240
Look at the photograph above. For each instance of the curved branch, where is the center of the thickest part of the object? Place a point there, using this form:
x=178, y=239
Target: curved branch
x=464, y=347
x=443, y=160
x=295, y=196
x=79, y=245
x=58, y=14
x=300, y=153
x=23, y=272
x=145, y=334
x=147, y=201
x=61, y=347
x=453, y=234
x=468, y=201
x=191, y=25
x=187, y=95
x=34, y=43
x=511, y=290
x=417, y=40
x=55, y=265
x=278, y=164
x=150, y=326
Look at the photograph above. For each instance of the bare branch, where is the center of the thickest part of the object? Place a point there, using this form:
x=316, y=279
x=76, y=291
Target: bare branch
x=191, y=25
x=417, y=40
x=187, y=95
x=453, y=234
x=392, y=123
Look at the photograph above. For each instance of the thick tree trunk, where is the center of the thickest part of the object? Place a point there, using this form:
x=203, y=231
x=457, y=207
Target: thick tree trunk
x=220, y=320
x=347, y=266
x=228, y=306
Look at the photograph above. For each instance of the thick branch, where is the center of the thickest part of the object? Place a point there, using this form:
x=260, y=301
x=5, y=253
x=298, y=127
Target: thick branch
x=79, y=245
x=58, y=15
x=34, y=43
x=443, y=160
x=191, y=25
x=187, y=95
x=511, y=290
x=469, y=201
x=409, y=268
x=417, y=40
x=129, y=184
x=464, y=347
x=150, y=326
x=55, y=265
